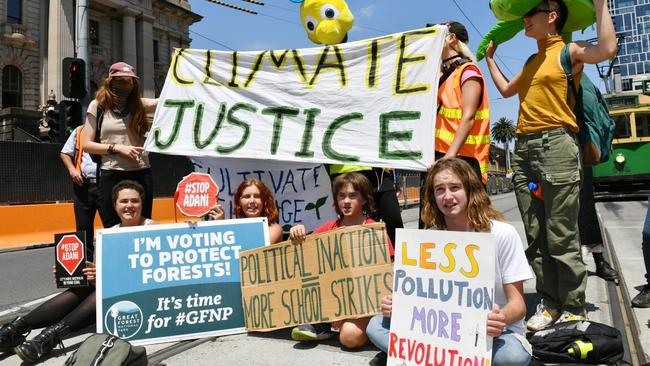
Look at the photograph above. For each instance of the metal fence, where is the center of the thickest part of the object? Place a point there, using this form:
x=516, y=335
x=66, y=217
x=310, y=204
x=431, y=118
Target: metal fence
x=33, y=173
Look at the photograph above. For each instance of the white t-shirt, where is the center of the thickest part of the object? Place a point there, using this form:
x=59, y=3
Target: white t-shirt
x=511, y=265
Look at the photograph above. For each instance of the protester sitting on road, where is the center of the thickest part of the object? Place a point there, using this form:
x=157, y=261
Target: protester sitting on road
x=73, y=309
x=547, y=153
x=122, y=128
x=463, y=118
x=354, y=203
x=252, y=199
x=454, y=199
x=642, y=299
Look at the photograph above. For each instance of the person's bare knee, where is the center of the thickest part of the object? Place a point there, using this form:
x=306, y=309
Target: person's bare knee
x=353, y=333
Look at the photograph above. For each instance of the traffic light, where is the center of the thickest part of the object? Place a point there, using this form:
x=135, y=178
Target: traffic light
x=72, y=115
x=57, y=132
x=63, y=118
x=74, y=77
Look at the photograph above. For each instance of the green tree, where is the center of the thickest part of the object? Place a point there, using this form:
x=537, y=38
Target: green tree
x=503, y=131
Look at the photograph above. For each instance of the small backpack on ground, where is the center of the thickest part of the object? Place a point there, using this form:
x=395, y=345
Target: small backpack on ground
x=577, y=341
x=596, y=125
x=107, y=350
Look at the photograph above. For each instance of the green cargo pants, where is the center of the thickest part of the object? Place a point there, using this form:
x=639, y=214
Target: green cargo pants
x=552, y=158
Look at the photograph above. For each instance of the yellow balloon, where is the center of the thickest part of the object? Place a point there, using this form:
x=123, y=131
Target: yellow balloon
x=326, y=21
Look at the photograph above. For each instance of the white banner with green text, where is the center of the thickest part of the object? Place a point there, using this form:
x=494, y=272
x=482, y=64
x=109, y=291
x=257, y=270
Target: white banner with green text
x=370, y=102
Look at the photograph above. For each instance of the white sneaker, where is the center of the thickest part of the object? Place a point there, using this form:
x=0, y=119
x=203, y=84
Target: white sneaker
x=568, y=316
x=544, y=317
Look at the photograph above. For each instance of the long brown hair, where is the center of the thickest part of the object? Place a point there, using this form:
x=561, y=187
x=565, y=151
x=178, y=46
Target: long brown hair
x=106, y=100
x=360, y=184
x=268, y=203
x=479, y=207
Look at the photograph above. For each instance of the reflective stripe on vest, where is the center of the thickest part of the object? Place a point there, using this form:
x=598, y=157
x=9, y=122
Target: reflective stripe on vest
x=477, y=143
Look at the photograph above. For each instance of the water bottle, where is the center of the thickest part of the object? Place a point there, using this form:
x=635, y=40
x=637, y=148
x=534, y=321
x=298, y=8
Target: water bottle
x=580, y=349
x=536, y=190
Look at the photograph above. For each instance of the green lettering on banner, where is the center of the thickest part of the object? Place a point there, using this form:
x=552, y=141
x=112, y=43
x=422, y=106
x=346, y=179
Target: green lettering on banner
x=182, y=105
x=245, y=126
x=258, y=310
x=403, y=60
x=198, y=121
x=279, y=113
x=300, y=65
x=323, y=65
x=307, y=133
x=176, y=78
x=386, y=135
x=320, y=280
x=328, y=150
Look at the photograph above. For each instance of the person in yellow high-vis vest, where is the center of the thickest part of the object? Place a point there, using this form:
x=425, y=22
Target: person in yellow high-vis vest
x=463, y=117
x=384, y=193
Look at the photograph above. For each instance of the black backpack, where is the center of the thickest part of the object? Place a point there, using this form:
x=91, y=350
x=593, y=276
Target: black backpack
x=107, y=350
x=585, y=342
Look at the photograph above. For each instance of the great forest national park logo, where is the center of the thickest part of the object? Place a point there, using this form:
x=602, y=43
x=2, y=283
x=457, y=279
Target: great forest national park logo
x=123, y=319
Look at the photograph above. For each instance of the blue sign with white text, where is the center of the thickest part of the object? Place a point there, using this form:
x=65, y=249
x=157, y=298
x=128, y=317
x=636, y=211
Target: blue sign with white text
x=162, y=283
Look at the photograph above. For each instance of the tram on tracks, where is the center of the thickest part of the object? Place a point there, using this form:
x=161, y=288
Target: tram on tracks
x=627, y=172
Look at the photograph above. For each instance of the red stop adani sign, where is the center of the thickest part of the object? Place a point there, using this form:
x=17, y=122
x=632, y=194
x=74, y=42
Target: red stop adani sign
x=70, y=253
x=195, y=194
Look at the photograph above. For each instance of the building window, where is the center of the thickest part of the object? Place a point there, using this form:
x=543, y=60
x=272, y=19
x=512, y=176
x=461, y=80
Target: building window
x=15, y=11
x=12, y=87
x=94, y=33
x=626, y=84
x=156, y=57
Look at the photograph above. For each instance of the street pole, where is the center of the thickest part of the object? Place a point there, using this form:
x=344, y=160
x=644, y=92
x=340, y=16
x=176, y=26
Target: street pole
x=83, y=48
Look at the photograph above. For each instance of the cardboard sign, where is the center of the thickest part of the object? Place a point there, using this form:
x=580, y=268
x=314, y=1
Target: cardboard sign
x=339, y=274
x=70, y=259
x=302, y=192
x=195, y=194
x=442, y=294
x=163, y=283
x=370, y=102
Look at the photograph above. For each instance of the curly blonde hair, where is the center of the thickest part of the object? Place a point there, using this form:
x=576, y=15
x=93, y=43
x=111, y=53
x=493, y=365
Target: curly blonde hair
x=479, y=207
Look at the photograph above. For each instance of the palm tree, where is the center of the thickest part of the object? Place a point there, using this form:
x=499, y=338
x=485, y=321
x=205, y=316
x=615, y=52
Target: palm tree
x=503, y=131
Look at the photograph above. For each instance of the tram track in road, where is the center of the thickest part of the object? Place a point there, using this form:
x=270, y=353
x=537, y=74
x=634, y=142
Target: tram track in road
x=157, y=358
x=623, y=317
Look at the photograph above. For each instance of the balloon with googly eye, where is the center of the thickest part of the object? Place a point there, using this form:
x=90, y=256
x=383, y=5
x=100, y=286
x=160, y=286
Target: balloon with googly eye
x=325, y=21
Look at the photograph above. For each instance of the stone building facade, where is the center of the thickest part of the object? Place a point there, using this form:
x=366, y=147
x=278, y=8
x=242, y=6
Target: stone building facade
x=37, y=34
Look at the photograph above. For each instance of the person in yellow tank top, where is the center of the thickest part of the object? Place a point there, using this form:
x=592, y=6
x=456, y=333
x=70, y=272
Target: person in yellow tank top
x=546, y=153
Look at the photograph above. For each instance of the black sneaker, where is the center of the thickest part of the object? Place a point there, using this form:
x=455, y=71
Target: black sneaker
x=13, y=334
x=642, y=299
x=38, y=347
x=312, y=332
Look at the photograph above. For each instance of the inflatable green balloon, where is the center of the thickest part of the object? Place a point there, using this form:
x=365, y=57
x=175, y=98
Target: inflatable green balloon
x=511, y=12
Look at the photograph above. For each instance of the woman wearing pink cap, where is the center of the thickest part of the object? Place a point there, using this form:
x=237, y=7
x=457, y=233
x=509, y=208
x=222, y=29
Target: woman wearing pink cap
x=116, y=124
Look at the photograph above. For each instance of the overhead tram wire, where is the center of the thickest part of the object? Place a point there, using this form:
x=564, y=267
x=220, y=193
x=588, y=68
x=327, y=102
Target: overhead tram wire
x=211, y=40
x=481, y=34
x=245, y=10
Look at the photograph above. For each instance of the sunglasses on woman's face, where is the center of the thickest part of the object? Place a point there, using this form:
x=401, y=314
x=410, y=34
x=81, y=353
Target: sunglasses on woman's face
x=534, y=11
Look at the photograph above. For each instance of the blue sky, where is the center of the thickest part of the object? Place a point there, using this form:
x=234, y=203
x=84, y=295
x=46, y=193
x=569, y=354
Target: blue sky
x=277, y=26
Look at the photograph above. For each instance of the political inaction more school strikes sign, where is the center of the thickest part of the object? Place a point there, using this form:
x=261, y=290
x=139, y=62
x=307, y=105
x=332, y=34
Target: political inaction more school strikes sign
x=162, y=283
x=369, y=102
x=443, y=290
x=338, y=274
x=302, y=192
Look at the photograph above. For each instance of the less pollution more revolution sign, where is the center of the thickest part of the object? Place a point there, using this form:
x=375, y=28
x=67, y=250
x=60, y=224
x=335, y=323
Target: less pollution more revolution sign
x=369, y=102
x=442, y=294
x=162, y=283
